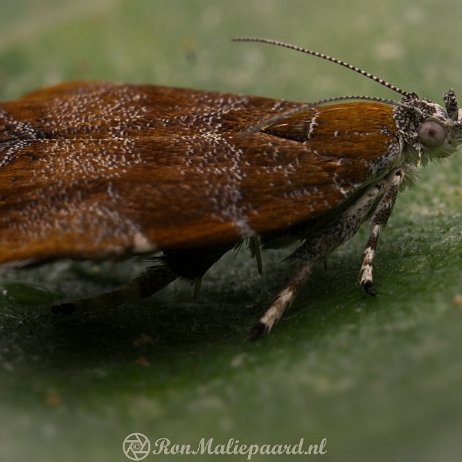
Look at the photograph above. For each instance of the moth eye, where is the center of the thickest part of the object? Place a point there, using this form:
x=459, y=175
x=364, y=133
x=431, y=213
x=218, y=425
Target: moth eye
x=432, y=134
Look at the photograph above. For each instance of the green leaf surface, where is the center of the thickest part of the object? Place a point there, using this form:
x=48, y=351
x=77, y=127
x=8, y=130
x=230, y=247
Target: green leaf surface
x=380, y=378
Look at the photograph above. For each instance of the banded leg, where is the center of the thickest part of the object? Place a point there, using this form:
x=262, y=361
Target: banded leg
x=281, y=302
x=378, y=222
x=335, y=233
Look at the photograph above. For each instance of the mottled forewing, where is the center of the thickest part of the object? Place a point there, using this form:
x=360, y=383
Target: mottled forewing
x=90, y=170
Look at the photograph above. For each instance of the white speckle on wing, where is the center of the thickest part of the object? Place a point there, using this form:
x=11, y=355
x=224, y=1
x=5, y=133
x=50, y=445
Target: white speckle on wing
x=142, y=244
x=313, y=123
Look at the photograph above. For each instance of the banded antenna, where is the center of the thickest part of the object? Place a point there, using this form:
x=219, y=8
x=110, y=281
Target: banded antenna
x=327, y=58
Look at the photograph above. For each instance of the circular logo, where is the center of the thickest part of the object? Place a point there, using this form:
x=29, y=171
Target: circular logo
x=136, y=446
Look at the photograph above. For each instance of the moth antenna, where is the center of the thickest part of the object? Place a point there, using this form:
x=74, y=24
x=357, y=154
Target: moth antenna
x=327, y=58
x=335, y=99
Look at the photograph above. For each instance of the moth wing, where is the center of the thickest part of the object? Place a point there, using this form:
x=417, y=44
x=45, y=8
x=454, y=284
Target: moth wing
x=92, y=170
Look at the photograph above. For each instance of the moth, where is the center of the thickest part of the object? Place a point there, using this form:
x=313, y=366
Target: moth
x=94, y=170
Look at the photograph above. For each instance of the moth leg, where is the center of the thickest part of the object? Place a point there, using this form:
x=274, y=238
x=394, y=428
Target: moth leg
x=254, y=246
x=153, y=279
x=281, y=302
x=190, y=264
x=378, y=221
x=317, y=247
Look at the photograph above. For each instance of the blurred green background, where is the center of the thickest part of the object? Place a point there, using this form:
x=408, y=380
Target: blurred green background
x=380, y=378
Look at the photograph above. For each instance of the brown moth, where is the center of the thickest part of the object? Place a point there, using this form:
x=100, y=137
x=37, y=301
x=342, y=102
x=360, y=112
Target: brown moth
x=98, y=170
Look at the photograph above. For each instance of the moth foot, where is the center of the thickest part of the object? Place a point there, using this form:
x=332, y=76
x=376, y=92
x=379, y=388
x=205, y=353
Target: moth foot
x=369, y=288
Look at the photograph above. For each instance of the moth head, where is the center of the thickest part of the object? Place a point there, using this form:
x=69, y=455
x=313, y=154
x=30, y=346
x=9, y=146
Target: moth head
x=427, y=129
